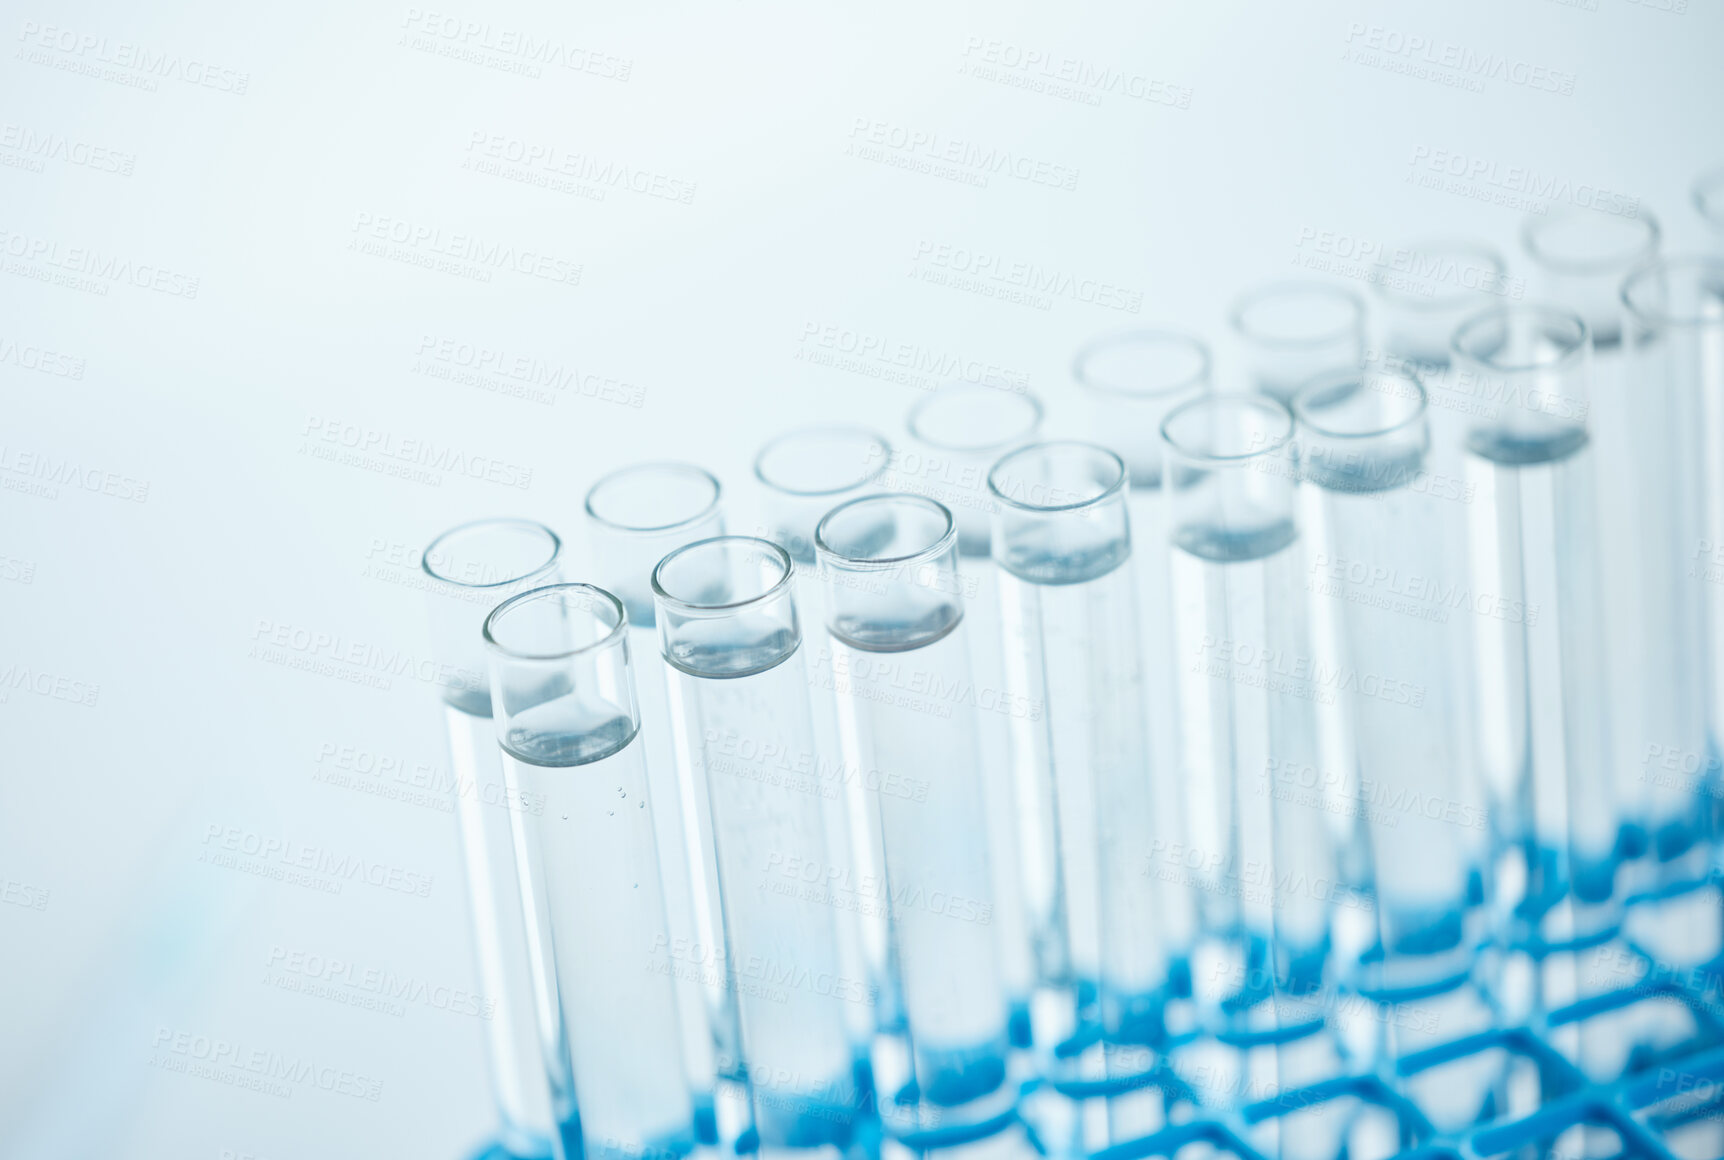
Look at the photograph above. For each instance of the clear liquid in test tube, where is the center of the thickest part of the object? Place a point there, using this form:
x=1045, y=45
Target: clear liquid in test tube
x=895, y=602
x=1131, y=382
x=1262, y=853
x=1080, y=762
x=729, y=630
x=569, y=727
x=469, y=571
x=634, y=517
x=1543, y=717
x=803, y=474
x=956, y=434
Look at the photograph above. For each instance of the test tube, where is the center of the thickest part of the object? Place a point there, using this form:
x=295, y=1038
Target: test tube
x=959, y=431
x=803, y=474
x=1708, y=196
x=1663, y=422
x=1582, y=255
x=895, y=607
x=1543, y=722
x=1394, y=555
x=569, y=727
x=1293, y=331
x=728, y=630
x=1130, y=382
x=806, y=472
x=470, y=569
x=1249, y=686
x=956, y=434
x=1062, y=542
x=1429, y=287
x=635, y=515
x=1261, y=851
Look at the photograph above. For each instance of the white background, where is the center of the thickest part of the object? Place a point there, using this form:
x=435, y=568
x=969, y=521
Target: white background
x=112, y=932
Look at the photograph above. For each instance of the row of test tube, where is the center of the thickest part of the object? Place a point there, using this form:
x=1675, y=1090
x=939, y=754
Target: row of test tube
x=1001, y=786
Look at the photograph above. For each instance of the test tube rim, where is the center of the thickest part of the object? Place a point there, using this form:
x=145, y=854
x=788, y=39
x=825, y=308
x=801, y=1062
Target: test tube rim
x=1474, y=246
x=689, y=608
x=1583, y=339
x=818, y=429
x=1664, y=319
x=498, y=521
x=945, y=542
x=1710, y=181
x=1180, y=337
x=1302, y=418
x=1112, y=489
x=1264, y=403
x=1236, y=314
x=1038, y=416
x=1534, y=224
x=617, y=632
x=655, y=529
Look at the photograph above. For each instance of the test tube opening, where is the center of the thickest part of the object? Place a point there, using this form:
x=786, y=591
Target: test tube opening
x=1298, y=314
x=725, y=606
x=472, y=567
x=807, y=470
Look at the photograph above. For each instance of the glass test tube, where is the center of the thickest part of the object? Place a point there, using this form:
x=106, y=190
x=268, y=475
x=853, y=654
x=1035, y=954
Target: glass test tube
x=803, y=474
x=1261, y=852
x=1395, y=552
x=1131, y=381
x=1293, y=331
x=1708, y=197
x=566, y=719
x=957, y=433
x=728, y=629
x=470, y=570
x=1542, y=718
x=1582, y=255
x=634, y=516
x=1249, y=685
x=1080, y=764
x=1428, y=289
x=895, y=608
x=1670, y=411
